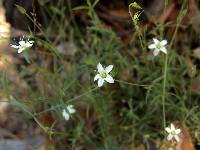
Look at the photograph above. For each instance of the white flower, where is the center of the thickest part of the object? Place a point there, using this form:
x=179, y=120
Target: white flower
x=173, y=133
x=158, y=46
x=103, y=75
x=23, y=45
x=68, y=111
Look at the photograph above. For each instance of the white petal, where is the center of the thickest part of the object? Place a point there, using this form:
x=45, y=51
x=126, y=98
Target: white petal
x=109, y=68
x=22, y=43
x=31, y=42
x=109, y=79
x=65, y=115
x=169, y=137
x=163, y=42
x=97, y=77
x=172, y=127
x=64, y=112
x=20, y=50
x=155, y=52
x=71, y=109
x=100, y=82
x=15, y=46
x=156, y=41
x=177, y=131
x=164, y=50
x=100, y=68
x=168, y=130
x=152, y=46
x=177, y=138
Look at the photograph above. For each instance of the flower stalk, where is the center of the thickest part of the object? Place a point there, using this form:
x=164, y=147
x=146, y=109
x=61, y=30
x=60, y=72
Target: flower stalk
x=164, y=89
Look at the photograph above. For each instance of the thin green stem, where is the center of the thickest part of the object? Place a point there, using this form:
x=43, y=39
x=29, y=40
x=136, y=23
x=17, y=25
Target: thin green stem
x=77, y=97
x=136, y=26
x=180, y=17
x=166, y=3
x=133, y=84
x=69, y=101
x=164, y=89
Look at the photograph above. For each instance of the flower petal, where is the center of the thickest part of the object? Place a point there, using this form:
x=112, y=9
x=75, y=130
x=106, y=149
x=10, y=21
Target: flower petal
x=65, y=114
x=177, y=131
x=109, y=79
x=109, y=68
x=152, y=46
x=156, y=41
x=156, y=52
x=177, y=138
x=172, y=127
x=164, y=50
x=31, y=42
x=163, y=42
x=100, y=82
x=169, y=137
x=71, y=109
x=100, y=68
x=14, y=46
x=20, y=50
x=22, y=43
x=97, y=77
x=168, y=130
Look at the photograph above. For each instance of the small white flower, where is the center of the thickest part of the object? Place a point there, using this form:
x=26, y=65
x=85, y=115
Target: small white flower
x=65, y=114
x=23, y=45
x=103, y=75
x=158, y=46
x=173, y=133
x=68, y=111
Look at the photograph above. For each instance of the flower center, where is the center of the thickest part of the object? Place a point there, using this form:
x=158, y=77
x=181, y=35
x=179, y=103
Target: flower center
x=173, y=133
x=158, y=46
x=104, y=75
x=24, y=46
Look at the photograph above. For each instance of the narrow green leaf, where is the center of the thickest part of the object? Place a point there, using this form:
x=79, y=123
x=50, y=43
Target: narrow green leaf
x=95, y=3
x=21, y=9
x=4, y=81
x=80, y=8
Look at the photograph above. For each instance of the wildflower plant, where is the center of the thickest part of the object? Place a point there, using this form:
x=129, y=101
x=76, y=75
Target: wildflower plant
x=146, y=87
